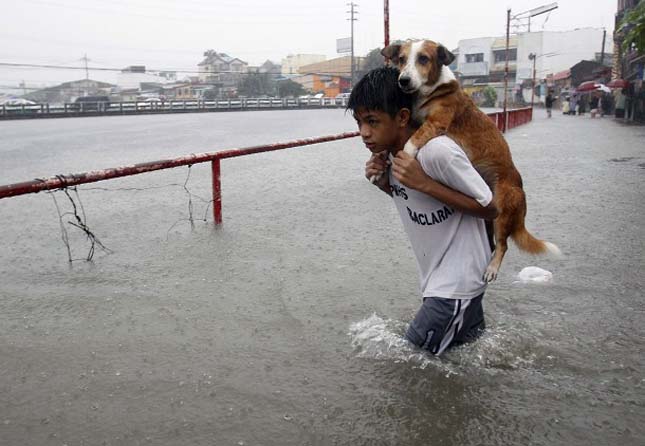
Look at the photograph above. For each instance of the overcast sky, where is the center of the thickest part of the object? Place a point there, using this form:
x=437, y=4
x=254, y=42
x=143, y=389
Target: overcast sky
x=169, y=34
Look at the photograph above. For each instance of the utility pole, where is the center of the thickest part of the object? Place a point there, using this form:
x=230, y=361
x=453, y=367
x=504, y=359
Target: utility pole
x=508, y=29
x=532, y=57
x=602, y=52
x=531, y=13
x=87, y=74
x=386, y=22
x=351, y=19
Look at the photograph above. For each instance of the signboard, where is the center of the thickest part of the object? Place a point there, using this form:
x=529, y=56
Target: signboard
x=344, y=45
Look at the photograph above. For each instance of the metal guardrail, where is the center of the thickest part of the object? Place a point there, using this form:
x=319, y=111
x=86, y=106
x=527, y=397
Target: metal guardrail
x=62, y=181
x=514, y=118
x=172, y=106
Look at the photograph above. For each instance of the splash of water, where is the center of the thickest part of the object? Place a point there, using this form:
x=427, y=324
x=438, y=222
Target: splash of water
x=382, y=339
x=498, y=349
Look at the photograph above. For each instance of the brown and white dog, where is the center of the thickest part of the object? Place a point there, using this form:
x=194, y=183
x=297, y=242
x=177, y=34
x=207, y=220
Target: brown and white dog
x=442, y=108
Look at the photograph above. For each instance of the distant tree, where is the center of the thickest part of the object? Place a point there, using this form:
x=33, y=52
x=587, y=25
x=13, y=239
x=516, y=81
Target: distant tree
x=372, y=60
x=256, y=84
x=288, y=88
x=633, y=25
x=210, y=94
x=490, y=97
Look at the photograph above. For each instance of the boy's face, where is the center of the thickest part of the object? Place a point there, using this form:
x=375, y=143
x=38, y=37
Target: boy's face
x=378, y=129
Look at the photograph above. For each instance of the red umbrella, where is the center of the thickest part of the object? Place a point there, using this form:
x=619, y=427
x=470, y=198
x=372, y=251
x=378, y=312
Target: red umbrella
x=618, y=83
x=587, y=86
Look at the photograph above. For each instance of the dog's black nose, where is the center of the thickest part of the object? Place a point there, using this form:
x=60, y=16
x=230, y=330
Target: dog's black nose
x=404, y=81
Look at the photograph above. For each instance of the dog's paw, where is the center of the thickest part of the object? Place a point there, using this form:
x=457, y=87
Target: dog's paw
x=410, y=149
x=490, y=274
x=375, y=178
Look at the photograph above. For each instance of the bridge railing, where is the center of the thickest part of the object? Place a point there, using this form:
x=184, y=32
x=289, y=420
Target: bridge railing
x=166, y=106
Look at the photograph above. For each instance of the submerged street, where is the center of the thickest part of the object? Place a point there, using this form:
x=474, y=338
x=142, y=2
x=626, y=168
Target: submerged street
x=283, y=327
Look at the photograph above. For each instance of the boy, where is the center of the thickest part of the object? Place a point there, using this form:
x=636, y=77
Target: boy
x=442, y=202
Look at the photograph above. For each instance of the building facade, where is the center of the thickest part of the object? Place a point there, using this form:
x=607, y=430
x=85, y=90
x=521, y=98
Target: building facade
x=222, y=72
x=629, y=64
x=482, y=61
x=291, y=64
x=69, y=91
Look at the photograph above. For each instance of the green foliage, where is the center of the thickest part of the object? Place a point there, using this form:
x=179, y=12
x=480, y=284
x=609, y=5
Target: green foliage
x=372, y=60
x=288, y=88
x=210, y=94
x=633, y=25
x=256, y=84
x=490, y=97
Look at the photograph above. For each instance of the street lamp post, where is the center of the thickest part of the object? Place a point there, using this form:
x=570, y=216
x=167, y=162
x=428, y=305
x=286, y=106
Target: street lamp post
x=531, y=13
x=532, y=57
x=508, y=25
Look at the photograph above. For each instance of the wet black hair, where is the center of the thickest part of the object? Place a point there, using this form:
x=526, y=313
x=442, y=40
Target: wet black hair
x=379, y=90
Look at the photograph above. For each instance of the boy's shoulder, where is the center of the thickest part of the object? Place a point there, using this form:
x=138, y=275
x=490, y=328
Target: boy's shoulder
x=440, y=149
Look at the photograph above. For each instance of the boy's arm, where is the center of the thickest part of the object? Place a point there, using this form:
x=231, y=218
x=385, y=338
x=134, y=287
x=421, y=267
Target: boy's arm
x=409, y=172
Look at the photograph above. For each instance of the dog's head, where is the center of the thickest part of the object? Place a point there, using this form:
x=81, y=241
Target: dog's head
x=420, y=62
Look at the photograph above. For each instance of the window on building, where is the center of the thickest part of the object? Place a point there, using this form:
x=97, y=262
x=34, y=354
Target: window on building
x=500, y=55
x=475, y=57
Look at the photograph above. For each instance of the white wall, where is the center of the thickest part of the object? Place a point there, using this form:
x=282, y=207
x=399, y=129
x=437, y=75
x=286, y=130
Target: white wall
x=473, y=46
x=572, y=47
x=293, y=62
x=528, y=43
x=132, y=80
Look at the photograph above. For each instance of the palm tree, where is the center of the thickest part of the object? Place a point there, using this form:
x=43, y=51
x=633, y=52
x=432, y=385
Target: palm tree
x=633, y=25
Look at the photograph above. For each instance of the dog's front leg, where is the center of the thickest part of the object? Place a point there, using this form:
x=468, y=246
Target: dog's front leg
x=431, y=128
x=435, y=124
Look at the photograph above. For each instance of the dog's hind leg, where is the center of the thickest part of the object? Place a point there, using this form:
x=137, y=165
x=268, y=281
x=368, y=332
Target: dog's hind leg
x=502, y=233
x=511, y=207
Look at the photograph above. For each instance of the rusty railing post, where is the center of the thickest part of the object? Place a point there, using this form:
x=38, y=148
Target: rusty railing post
x=217, y=192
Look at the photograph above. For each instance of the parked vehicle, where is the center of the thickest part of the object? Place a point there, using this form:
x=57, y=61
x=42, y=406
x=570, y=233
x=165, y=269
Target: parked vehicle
x=19, y=106
x=91, y=103
x=342, y=98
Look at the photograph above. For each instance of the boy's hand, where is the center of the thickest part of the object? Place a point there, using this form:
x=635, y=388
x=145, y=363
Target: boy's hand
x=408, y=171
x=377, y=164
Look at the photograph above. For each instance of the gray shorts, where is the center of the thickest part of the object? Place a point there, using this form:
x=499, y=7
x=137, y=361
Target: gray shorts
x=441, y=323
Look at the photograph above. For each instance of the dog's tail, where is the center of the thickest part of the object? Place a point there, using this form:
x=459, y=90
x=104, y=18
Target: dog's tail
x=526, y=242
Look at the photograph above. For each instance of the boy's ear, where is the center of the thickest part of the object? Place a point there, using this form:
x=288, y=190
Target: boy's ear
x=404, y=115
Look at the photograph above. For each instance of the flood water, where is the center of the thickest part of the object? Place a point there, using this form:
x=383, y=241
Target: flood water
x=283, y=327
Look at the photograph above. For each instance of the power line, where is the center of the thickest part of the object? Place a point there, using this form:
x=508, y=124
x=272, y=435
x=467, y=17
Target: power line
x=155, y=70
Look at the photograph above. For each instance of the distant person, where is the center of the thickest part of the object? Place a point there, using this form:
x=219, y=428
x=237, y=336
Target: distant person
x=444, y=220
x=607, y=104
x=619, y=100
x=566, y=106
x=594, y=105
x=582, y=105
x=573, y=104
x=548, y=102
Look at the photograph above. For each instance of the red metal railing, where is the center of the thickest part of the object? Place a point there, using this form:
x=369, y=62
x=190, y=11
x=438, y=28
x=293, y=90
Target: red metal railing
x=61, y=181
x=515, y=118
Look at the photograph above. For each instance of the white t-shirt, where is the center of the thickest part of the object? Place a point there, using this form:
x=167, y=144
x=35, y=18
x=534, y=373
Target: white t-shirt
x=451, y=247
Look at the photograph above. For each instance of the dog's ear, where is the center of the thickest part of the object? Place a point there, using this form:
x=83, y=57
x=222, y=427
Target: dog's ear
x=444, y=56
x=392, y=52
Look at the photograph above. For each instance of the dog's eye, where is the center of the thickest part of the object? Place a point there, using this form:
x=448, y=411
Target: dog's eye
x=423, y=60
x=402, y=59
